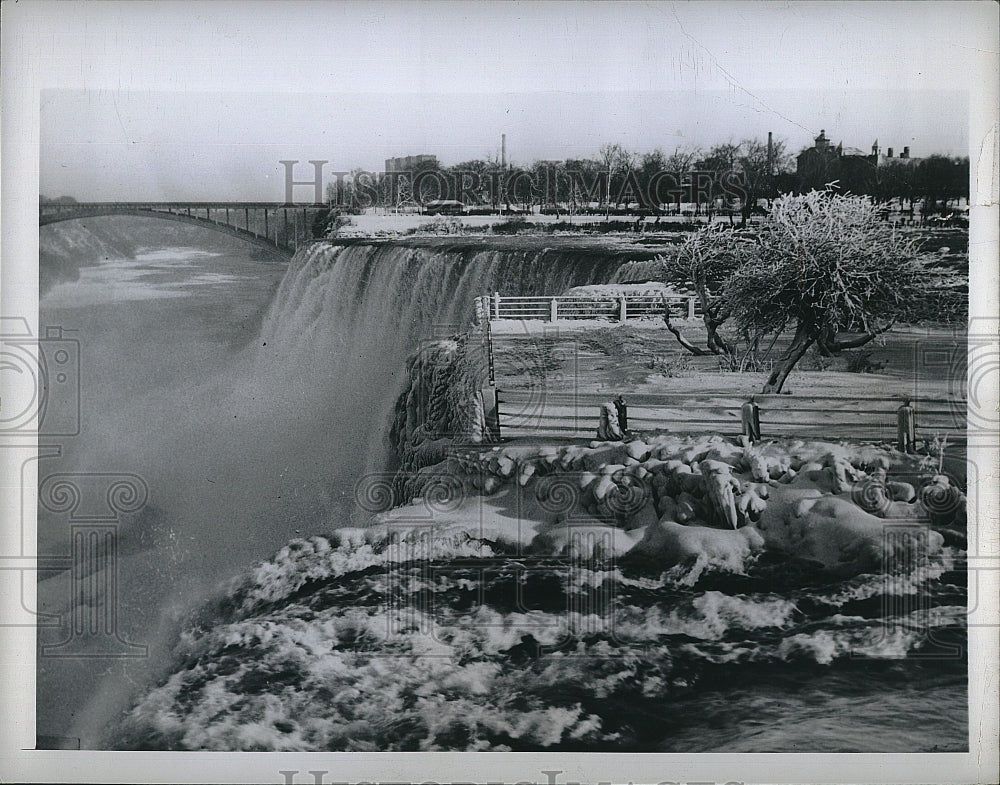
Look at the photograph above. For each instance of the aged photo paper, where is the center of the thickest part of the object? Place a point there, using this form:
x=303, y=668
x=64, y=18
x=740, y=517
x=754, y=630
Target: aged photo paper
x=569, y=392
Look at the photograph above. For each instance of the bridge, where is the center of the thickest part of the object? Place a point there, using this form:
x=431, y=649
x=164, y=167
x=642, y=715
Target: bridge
x=272, y=226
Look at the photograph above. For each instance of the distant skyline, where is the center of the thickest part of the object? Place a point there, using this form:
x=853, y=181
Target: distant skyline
x=362, y=83
x=100, y=146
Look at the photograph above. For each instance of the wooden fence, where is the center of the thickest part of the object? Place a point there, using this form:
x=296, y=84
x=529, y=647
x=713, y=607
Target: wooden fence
x=620, y=307
x=539, y=413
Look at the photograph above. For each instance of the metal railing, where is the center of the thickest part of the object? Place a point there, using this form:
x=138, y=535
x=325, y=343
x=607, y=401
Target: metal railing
x=269, y=225
x=552, y=308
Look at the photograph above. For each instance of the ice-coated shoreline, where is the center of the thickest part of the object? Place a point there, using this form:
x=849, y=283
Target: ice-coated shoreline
x=705, y=500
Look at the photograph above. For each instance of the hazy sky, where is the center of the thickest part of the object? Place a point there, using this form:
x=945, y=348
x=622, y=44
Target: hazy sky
x=249, y=85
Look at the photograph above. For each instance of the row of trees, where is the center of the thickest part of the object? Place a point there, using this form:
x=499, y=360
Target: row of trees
x=619, y=178
x=934, y=181
x=931, y=181
x=822, y=265
x=722, y=177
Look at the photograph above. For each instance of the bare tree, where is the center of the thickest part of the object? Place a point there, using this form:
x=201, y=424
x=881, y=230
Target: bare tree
x=626, y=165
x=720, y=161
x=682, y=159
x=757, y=167
x=609, y=155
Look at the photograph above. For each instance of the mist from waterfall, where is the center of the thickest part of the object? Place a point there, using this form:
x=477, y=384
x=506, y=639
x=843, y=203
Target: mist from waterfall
x=250, y=430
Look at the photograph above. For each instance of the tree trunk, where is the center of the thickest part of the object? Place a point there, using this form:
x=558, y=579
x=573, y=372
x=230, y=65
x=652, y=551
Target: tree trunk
x=695, y=350
x=800, y=344
x=709, y=310
x=715, y=342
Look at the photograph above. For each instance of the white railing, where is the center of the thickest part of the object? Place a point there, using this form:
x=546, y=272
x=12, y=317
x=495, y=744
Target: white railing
x=551, y=308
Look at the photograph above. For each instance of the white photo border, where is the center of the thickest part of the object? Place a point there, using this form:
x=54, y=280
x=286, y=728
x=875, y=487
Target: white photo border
x=57, y=45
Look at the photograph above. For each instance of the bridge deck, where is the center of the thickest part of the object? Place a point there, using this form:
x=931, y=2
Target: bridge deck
x=270, y=225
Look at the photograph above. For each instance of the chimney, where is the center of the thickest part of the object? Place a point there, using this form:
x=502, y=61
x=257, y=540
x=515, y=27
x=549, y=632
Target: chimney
x=503, y=151
x=888, y=153
x=905, y=153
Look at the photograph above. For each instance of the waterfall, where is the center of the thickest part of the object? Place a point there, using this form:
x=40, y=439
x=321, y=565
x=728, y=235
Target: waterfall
x=347, y=316
x=246, y=449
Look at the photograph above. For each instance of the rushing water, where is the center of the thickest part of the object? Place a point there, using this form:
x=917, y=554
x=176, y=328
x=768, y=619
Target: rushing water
x=251, y=427
x=335, y=649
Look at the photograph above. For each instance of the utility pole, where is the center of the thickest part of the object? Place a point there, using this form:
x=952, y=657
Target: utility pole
x=503, y=170
x=607, y=201
x=770, y=168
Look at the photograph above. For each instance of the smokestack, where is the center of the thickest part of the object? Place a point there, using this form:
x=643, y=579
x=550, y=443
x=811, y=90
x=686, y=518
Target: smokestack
x=770, y=168
x=906, y=153
x=888, y=153
x=503, y=151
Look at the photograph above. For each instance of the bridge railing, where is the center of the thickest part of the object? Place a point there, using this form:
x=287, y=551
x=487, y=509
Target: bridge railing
x=168, y=206
x=270, y=224
x=551, y=308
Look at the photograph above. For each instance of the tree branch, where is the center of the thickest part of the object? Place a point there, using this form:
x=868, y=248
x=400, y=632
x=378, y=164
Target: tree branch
x=696, y=350
x=851, y=343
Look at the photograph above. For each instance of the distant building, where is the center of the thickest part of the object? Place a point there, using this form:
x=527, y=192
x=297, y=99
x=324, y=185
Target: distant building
x=851, y=168
x=903, y=157
x=817, y=156
x=411, y=163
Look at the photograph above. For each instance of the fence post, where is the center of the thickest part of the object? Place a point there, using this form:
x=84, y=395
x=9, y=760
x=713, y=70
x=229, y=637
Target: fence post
x=488, y=340
x=622, y=309
x=690, y=307
x=491, y=411
x=496, y=305
x=905, y=427
x=750, y=414
x=622, y=409
x=553, y=310
x=496, y=407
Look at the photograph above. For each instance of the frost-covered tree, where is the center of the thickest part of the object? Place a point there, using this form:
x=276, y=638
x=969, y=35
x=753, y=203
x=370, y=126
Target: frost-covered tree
x=706, y=260
x=828, y=267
